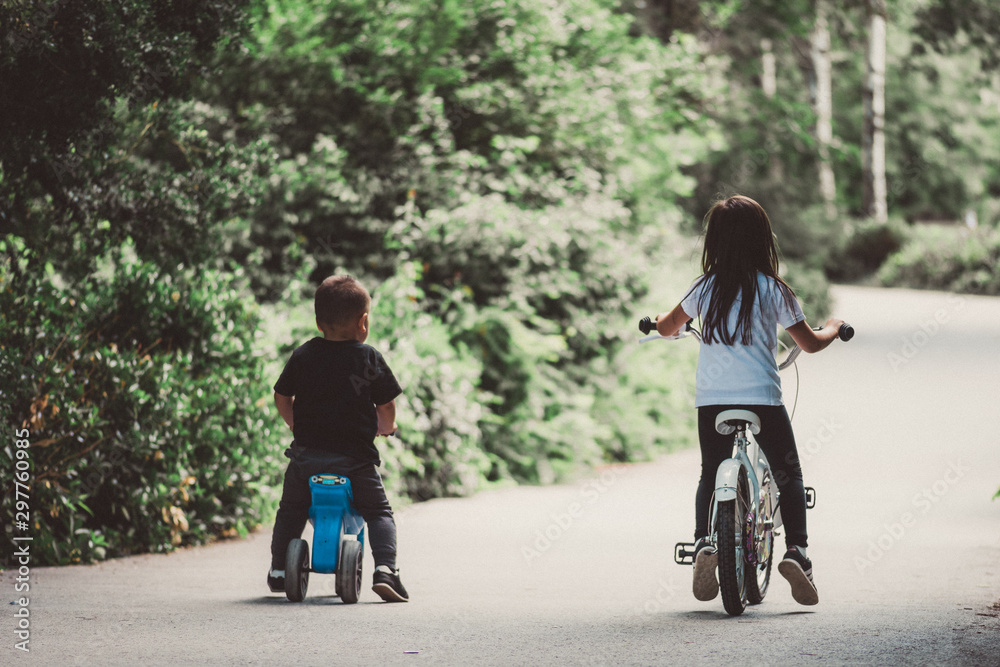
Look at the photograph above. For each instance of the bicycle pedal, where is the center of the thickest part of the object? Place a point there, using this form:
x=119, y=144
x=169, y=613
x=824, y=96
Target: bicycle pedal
x=810, y=497
x=684, y=553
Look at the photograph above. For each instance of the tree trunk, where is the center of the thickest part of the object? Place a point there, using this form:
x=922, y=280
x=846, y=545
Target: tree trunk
x=769, y=85
x=823, y=106
x=769, y=73
x=873, y=138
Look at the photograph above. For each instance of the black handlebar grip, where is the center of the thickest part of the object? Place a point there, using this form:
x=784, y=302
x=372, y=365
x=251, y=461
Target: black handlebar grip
x=646, y=325
x=845, y=332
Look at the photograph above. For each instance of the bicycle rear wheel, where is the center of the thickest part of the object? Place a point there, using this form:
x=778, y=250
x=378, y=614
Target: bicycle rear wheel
x=731, y=531
x=760, y=544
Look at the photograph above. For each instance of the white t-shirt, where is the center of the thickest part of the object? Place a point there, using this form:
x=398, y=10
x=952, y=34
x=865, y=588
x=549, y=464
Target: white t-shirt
x=743, y=374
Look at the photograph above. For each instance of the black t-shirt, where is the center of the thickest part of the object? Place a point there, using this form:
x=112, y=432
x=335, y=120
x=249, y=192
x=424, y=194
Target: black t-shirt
x=336, y=385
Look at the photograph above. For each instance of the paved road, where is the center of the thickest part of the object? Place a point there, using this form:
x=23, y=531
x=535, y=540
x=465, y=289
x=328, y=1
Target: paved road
x=897, y=433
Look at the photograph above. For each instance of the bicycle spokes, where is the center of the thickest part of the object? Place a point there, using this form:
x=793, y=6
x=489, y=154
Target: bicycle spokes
x=750, y=532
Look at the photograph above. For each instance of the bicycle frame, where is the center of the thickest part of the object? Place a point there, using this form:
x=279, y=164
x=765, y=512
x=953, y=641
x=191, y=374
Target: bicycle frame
x=748, y=456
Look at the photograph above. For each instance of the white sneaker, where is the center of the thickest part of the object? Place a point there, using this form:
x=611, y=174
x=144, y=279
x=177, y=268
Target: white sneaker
x=706, y=560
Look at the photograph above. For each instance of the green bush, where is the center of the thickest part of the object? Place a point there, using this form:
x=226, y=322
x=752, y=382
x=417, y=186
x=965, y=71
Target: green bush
x=374, y=106
x=142, y=396
x=537, y=296
x=645, y=399
x=864, y=249
x=946, y=258
x=812, y=289
x=439, y=451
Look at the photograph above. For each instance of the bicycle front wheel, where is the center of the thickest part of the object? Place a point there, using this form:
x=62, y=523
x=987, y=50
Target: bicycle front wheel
x=731, y=531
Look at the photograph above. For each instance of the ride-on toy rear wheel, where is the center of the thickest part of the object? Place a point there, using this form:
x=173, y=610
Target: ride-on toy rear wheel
x=349, y=572
x=297, y=570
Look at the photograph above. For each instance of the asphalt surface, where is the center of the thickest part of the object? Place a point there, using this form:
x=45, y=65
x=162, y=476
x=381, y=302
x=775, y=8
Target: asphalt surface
x=898, y=434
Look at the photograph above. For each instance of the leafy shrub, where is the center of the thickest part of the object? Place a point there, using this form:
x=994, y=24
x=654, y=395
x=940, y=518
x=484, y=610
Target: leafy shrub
x=946, y=258
x=812, y=289
x=140, y=390
x=370, y=109
x=864, y=249
x=537, y=296
x=439, y=452
x=569, y=270
x=645, y=399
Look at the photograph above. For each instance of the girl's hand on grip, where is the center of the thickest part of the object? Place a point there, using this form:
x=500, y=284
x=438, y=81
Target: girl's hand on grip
x=833, y=323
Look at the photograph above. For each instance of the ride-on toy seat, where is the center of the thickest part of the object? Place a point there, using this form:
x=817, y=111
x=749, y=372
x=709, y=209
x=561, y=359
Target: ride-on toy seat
x=338, y=541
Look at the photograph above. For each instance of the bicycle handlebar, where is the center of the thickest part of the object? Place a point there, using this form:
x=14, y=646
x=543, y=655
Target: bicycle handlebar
x=648, y=327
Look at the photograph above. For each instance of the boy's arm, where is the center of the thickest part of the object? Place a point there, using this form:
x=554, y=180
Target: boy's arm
x=284, y=405
x=386, y=418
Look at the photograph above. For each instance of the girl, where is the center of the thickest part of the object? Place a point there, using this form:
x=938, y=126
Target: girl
x=741, y=300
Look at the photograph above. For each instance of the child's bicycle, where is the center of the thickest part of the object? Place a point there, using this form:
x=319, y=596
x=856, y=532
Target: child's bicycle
x=338, y=541
x=745, y=511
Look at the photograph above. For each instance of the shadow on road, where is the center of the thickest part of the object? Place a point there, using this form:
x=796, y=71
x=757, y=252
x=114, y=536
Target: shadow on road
x=750, y=615
x=317, y=601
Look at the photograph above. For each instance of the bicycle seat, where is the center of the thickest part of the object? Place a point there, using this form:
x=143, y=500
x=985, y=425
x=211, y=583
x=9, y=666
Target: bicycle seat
x=729, y=420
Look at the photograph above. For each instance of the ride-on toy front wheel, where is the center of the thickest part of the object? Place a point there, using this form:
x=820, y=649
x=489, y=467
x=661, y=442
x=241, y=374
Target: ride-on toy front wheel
x=297, y=570
x=349, y=572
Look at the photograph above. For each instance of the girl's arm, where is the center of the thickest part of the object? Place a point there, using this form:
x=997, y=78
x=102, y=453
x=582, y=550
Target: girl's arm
x=386, y=418
x=669, y=324
x=814, y=341
x=284, y=405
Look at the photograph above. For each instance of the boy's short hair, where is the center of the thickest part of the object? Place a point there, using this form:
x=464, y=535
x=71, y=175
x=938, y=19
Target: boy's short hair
x=341, y=301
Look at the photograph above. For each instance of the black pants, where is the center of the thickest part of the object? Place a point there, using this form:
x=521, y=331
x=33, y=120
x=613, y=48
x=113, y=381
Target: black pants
x=369, y=499
x=778, y=442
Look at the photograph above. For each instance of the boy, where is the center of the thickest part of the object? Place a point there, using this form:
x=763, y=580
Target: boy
x=337, y=394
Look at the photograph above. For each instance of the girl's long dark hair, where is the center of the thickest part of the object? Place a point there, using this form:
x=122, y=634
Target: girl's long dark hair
x=739, y=244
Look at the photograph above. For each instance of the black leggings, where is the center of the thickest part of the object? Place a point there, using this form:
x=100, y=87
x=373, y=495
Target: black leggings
x=778, y=442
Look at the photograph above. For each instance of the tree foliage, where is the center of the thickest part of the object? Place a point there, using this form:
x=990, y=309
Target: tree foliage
x=965, y=26
x=128, y=345
x=71, y=72
x=494, y=147
x=140, y=392
x=941, y=128
x=373, y=108
x=477, y=166
x=508, y=178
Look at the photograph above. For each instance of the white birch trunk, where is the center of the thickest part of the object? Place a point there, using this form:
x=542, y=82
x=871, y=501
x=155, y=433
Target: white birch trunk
x=823, y=68
x=873, y=141
x=769, y=70
x=769, y=86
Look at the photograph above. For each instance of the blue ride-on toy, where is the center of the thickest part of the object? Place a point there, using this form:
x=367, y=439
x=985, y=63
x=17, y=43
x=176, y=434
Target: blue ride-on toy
x=338, y=541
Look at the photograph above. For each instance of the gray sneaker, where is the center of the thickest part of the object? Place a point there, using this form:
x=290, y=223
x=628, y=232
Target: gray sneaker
x=276, y=580
x=706, y=560
x=797, y=569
